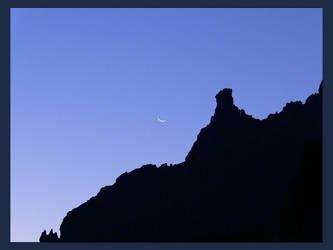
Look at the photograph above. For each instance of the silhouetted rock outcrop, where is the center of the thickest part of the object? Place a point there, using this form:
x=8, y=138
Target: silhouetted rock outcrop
x=244, y=179
x=51, y=237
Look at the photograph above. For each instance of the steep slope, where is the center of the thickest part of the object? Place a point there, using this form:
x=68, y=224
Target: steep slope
x=243, y=180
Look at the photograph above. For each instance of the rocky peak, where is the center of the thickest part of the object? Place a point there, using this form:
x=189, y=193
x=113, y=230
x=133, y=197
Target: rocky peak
x=224, y=99
x=51, y=237
x=225, y=111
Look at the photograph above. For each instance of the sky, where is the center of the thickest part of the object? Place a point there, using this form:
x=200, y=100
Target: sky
x=87, y=86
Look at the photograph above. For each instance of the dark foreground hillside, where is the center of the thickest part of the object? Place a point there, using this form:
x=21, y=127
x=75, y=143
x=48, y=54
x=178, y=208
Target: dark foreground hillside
x=243, y=180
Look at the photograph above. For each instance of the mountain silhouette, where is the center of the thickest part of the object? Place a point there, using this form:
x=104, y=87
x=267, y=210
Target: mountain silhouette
x=244, y=180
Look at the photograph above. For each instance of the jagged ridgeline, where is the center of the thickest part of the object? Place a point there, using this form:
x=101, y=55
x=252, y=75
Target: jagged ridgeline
x=243, y=180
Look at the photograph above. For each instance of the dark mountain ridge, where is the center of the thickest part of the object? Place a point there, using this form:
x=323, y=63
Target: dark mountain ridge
x=244, y=179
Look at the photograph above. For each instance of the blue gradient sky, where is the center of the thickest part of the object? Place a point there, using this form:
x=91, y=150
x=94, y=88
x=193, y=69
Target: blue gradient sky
x=88, y=84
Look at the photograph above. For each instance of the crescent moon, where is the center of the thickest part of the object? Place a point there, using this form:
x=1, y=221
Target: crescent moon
x=160, y=119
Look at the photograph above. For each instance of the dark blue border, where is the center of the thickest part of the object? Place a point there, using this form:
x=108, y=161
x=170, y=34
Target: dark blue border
x=5, y=115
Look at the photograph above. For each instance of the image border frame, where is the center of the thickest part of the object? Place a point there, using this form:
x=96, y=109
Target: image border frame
x=5, y=115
